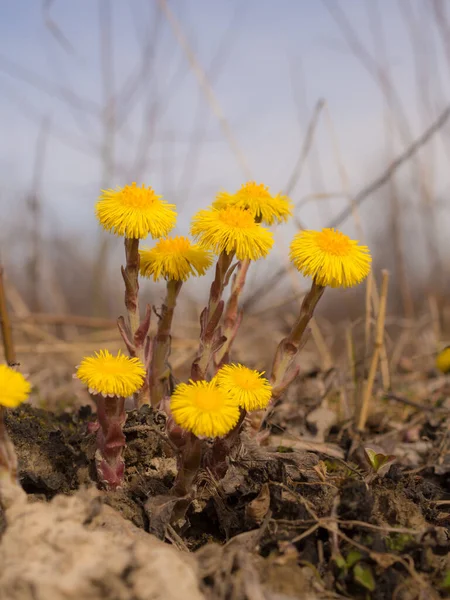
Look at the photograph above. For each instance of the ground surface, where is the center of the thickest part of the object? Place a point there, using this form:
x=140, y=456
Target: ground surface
x=290, y=519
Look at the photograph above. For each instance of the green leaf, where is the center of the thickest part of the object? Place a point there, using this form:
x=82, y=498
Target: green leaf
x=377, y=460
x=340, y=561
x=363, y=575
x=353, y=557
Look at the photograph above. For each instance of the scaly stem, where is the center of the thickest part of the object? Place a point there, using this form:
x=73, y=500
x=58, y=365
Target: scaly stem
x=130, y=275
x=160, y=369
x=135, y=339
x=288, y=348
x=283, y=367
x=189, y=461
x=216, y=458
x=110, y=440
x=210, y=336
x=233, y=315
x=215, y=294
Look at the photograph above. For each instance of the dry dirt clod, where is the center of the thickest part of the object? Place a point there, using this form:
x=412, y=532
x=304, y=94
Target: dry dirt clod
x=74, y=548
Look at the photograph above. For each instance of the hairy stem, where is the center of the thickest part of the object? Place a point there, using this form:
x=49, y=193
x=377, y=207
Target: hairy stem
x=289, y=347
x=131, y=273
x=210, y=337
x=189, y=461
x=159, y=377
x=283, y=367
x=233, y=315
x=216, y=458
x=136, y=336
x=110, y=440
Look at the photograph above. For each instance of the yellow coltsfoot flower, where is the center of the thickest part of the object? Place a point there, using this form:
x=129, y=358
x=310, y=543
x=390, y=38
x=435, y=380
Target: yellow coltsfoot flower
x=249, y=388
x=330, y=257
x=204, y=408
x=135, y=212
x=14, y=388
x=111, y=375
x=231, y=229
x=256, y=198
x=174, y=258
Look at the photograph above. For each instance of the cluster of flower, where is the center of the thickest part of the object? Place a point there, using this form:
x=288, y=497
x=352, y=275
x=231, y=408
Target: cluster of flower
x=213, y=402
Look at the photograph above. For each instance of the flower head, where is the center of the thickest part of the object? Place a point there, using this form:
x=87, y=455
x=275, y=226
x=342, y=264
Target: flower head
x=204, y=408
x=111, y=375
x=174, y=258
x=250, y=389
x=135, y=212
x=330, y=258
x=14, y=388
x=256, y=198
x=443, y=360
x=231, y=229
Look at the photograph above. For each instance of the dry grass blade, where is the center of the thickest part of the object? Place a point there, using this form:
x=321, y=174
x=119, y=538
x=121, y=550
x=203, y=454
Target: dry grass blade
x=384, y=361
x=376, y=353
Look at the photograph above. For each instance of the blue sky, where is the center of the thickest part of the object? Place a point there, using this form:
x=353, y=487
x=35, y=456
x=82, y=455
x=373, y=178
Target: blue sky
x=271, y=54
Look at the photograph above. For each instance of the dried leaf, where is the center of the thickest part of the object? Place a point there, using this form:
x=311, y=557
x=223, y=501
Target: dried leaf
x=257, y=509
x=162, y=511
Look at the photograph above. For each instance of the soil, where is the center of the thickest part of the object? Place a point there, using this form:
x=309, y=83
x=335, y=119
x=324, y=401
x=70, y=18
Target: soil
x=288, y=520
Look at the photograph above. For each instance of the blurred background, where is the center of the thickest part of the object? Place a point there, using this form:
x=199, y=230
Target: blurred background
x=342, y=105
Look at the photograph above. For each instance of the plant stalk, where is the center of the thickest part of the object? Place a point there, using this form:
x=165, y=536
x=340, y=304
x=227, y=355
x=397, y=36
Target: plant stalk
x=159, y=376
x=210, y=335
x=289, y=347
x=135, y=337
x=216, y=458
x=110, y=440
x=283, y=367
x=233, y=315
x=189, y=461
x=130, y=275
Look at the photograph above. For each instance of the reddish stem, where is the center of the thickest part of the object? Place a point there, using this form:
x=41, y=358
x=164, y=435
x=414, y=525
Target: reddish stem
x=189, y=461
x=289, y=347
x=284, y=369
x=130, y=276
x=233, y=316
x=159, y=375
x=210, y=337
x=110, y=440
x=216, y=458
